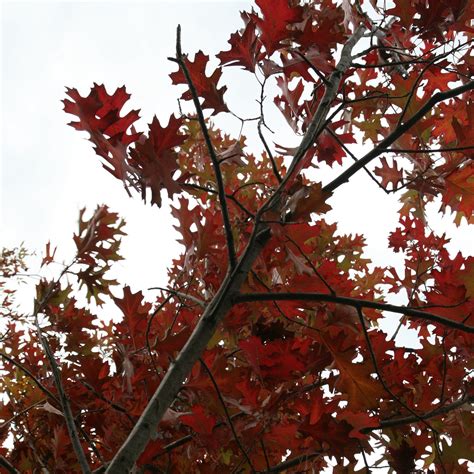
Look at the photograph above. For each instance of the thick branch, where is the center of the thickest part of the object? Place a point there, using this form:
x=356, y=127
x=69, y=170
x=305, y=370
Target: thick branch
x=164, y=396
x=317, y=124
x=396, y=134
x=356, y=303
x=212, y=152
x=7, y=466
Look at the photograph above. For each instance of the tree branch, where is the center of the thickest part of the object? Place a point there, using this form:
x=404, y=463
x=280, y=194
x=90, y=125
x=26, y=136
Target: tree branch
x=212, y=152
x=318, y=122
x=397, y=133
x=172, y=382
x=63, y=398
x=356, y=303
x=406, y=420
x=428, y=150
x=66, y=407
x=180, y=295
x=6, y=464
x=227, y=414
x=32, y=377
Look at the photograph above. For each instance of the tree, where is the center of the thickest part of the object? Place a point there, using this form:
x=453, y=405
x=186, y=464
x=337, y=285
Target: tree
x=265, y=354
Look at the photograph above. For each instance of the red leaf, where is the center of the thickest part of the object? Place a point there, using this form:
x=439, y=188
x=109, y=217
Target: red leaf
x=277, y=16
x=100, y=111
x=403, y=458
x=389, y=174
x=206, y=87
x=459, y=193
x=358, y=421
x=49, y=257
x=317, y=408
x=199, y=420
x=135, y=313
x=99, y=114
x=245, y=48
x=155, y=161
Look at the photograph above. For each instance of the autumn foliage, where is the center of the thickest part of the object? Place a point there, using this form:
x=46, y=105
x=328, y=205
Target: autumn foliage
x=264, y=353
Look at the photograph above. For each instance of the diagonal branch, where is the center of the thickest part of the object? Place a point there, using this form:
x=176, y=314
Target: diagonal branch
x=356, y=303
x=318, y=121
x=65, y=405
x=180, y=295
x=31, y=376
x=212, y=152
x=396, y=134
x=7, y=466
x=172, y=382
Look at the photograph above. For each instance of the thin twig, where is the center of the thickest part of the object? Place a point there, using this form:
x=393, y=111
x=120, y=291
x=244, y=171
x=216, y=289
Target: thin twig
x=113, y=405
x=229, y=419
x=180, y=295
x=428, y=150
x=407, y=420
x=354, y=158
x=311, y=264
x=21, y=412
x=32, y=377
x=388, y=389
x=232, y=198
x=63, y=398
x=260, y=133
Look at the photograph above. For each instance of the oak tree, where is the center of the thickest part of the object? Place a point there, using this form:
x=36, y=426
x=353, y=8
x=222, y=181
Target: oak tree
x=265, y=353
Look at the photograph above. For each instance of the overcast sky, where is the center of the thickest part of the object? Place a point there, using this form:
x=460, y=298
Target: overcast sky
x=49, y=171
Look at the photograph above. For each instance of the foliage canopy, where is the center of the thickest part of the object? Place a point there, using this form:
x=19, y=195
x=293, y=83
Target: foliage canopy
x=264, y=353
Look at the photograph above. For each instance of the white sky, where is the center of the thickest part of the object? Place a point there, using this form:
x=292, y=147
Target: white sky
x=49, y=171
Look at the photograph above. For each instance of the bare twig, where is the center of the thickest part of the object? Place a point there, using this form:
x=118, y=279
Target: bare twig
x=260, y=123
x=112, y=404
x=428, y=150
x=180, y=295
x=21, y=412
